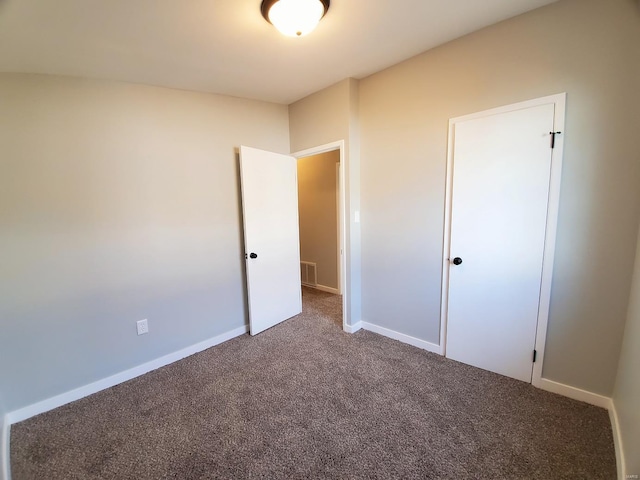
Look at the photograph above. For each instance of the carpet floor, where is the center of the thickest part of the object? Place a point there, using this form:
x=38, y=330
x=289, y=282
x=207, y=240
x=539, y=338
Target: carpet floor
x=306, y=400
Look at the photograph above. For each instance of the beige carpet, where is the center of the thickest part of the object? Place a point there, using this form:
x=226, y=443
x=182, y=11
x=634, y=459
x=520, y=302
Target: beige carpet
x=306, y=400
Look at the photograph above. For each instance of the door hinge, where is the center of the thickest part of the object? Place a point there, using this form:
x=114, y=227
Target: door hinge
x=535, y=355
x=553, y=138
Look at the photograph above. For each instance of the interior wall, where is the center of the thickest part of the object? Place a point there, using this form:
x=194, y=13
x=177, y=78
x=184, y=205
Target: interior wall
x=587, y=48
x=626, y=396
x=3, y=412
x=4, y=449
x=118, y=203
x=318, y=213
x=325, y=117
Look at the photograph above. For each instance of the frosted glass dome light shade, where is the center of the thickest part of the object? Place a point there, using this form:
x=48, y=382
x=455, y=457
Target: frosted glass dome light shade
x=294, y=18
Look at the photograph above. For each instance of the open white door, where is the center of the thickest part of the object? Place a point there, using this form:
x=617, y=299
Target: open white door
x=271, y=237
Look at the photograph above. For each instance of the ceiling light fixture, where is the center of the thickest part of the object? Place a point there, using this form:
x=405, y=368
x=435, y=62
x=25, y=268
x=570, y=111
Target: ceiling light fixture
x=294, y=18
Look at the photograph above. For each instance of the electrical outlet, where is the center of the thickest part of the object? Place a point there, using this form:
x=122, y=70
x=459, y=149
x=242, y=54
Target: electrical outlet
x=142, y=326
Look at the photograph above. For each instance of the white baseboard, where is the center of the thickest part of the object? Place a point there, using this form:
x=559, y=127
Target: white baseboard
x=617, y=442
x=576, y=393
x=599, y=401
x=416, y=342
x=353, y=328
x=5, y=431
x=323, y=288
x=86, y=390
x=81, y=392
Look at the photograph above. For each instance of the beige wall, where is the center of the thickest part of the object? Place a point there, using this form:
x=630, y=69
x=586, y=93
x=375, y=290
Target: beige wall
x=317, y=204
x=626, y=396
x=320, y=118
x=324, y=117
x=117, y=203
x=587, y=48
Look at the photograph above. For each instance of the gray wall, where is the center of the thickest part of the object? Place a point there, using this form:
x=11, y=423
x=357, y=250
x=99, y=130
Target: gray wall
x=318, y=208
x=4, y=448
x=324, y=117
x=120, y=202
x=626, y=396
x=587, y=48
x=117, y=203
x=4, y=461
x=3, y=411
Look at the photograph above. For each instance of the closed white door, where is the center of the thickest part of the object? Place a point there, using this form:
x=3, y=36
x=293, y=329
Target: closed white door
x=500, y=192
x=271, y=236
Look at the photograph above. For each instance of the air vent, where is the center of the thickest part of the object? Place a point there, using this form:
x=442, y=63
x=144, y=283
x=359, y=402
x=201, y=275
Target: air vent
x=308, y=274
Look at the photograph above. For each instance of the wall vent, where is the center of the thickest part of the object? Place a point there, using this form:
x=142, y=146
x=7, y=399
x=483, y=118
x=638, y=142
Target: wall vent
x=308, y=274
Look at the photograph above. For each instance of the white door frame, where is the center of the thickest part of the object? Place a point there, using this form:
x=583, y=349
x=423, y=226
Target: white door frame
x=559, y=102
x=339, y=235
x=342, y=258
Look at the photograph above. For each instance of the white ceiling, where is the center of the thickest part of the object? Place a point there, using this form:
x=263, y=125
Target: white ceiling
x=225, y=46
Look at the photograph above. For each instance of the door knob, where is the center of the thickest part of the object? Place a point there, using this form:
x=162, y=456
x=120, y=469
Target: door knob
x=457, y=261
x=253, y=255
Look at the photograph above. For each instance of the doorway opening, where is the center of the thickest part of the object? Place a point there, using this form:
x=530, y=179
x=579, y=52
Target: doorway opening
x=321, y=203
